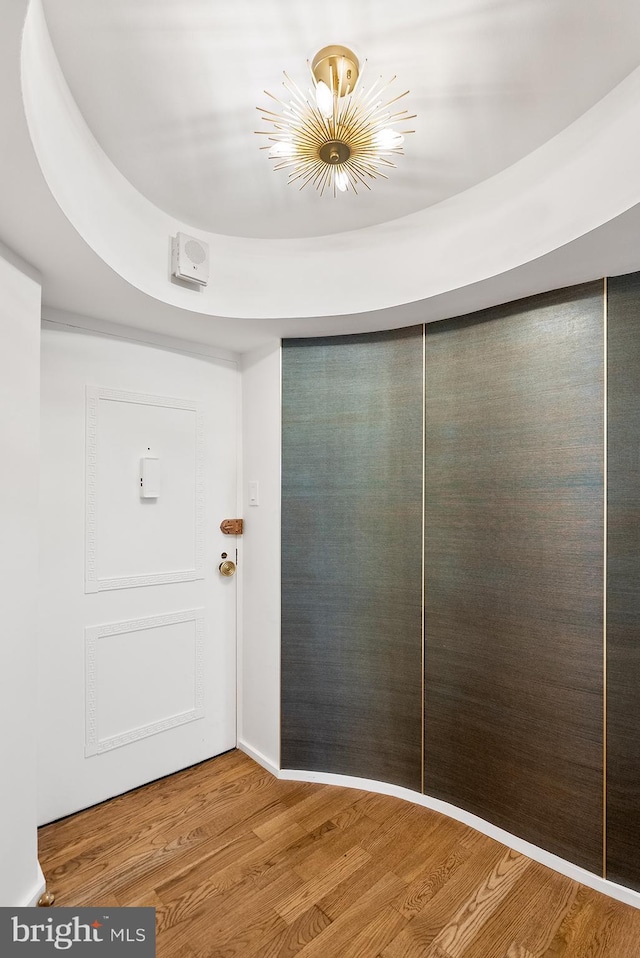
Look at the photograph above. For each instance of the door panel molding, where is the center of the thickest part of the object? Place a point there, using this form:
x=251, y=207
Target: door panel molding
x=93, y=582
x=94, y=745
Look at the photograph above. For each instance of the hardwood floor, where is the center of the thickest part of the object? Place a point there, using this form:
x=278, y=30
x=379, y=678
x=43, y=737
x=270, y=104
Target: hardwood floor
x=241, y=865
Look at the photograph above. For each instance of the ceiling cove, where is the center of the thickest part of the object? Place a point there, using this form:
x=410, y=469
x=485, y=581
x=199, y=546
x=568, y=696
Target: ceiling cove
x=562, y=176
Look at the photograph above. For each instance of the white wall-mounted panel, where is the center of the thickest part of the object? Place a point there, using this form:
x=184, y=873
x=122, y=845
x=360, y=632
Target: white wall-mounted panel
x=142, y=677
x=132, y=541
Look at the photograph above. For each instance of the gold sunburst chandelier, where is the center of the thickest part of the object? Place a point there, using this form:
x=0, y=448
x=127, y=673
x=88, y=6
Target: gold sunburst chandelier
x=340, y=135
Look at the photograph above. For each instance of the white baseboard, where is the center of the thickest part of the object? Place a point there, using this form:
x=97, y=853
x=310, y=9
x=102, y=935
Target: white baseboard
x=259, y=758
x=37, y=893
x=575, y=872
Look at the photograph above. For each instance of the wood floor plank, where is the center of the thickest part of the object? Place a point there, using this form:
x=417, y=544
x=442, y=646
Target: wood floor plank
x=337, y=937
x=578, y=917
x=352, y=889
x=434, y=875
x=184, y=952
x=595, y=938
x=241, y=865
x=377, y=807
x=311, y=811
x=429, y=849
x=318, y=809
x=334, y=845
x=218, y=919
x=455, y=937
x=312, y=892
x=144, y=807
x=397, y=837
x=287, y=943
x=517, y=951
x=623, y=935
x=242, y=941
x=222, y=847
x=159, y=869
x=421, y=931
x=554, y=900
x=248, y=864
x=140, y=848
x=377, y=933
x=515, y=917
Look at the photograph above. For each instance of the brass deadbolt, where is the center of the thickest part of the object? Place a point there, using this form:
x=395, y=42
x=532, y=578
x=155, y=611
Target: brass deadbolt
x=227, y=568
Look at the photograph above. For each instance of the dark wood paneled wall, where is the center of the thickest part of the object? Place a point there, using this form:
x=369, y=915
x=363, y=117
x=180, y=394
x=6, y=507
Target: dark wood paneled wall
x=352, y=555
x=623, y=582
x=514, y=568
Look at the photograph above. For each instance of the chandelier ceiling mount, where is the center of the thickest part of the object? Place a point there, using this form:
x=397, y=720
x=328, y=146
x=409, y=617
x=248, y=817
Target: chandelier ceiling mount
x=337, y=65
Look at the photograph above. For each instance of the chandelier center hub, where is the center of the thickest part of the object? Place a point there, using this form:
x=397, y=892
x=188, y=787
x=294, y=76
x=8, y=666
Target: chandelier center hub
x=334, y=152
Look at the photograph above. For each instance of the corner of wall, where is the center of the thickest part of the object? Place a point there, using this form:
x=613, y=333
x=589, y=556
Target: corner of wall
x=259, y=636
x=20, y=876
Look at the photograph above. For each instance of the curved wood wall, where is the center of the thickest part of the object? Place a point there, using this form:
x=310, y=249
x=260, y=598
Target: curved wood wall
x=514, y=528
x=502, y=708
x=352, y=555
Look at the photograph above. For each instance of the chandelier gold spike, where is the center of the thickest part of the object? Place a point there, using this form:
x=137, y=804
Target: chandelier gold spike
x=339, y=135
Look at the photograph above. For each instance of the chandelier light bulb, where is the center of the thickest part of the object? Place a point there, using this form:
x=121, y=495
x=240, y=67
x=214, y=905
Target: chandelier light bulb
x=324, y=99
x=282, y=148
x=341, y=180
x=340, y=135
x=388, y=139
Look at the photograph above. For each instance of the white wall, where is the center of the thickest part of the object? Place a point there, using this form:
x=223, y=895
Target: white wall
x=259, y=650
x=20, y=876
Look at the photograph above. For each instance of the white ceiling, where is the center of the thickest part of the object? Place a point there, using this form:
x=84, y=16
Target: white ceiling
x=489, y=79
x=169, y=90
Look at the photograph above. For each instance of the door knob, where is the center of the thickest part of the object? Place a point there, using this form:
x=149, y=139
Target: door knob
x=227, y=568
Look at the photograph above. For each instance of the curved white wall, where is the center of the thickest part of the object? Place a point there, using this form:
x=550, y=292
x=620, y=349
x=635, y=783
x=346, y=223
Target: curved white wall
x=581, y=179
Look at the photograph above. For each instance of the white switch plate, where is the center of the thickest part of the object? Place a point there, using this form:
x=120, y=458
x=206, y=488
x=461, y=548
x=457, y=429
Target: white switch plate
x=150, y=477
x=254, y=493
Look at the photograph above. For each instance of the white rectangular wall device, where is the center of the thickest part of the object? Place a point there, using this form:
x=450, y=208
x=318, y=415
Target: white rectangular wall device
x=149, y=477
x=190, y=259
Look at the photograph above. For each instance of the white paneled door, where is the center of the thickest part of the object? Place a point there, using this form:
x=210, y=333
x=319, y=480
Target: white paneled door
x=137, y=642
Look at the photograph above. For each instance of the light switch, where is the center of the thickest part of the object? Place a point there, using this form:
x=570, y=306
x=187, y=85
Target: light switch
x=150, y=477
x=254, y=493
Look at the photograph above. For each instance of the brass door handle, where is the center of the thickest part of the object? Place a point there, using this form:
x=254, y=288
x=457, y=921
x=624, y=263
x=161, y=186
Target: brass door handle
x=227, y=568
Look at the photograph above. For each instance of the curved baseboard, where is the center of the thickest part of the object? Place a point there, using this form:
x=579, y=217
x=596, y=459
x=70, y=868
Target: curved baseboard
x=575, y=872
